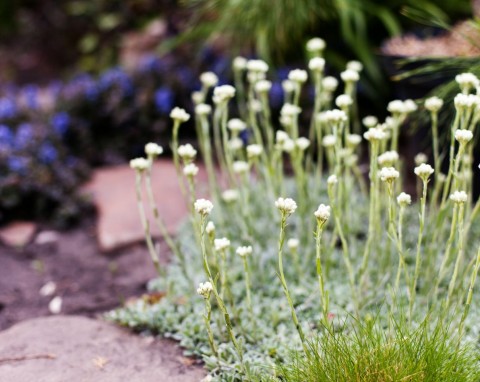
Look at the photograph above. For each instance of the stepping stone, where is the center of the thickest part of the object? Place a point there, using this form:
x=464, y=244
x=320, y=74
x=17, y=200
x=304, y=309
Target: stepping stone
x=113, y=191
x=18, y=234
x=79, y=349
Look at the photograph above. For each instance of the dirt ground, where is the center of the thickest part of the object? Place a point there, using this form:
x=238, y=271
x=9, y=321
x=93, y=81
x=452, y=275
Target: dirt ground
x=88, y=282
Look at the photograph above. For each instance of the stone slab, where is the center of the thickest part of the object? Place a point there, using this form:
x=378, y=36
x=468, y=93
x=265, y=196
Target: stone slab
x=79, y=349
x=18, y=234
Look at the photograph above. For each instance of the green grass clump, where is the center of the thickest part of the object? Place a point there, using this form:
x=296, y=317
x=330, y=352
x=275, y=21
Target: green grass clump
x=368, y=352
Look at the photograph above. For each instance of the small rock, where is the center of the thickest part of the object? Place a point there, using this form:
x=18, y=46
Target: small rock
x=48, y=289
x=55, y=306
x=46, y=237
x=18, y=234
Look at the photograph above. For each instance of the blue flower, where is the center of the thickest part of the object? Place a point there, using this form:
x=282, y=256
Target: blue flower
x=17, y=164
x=151, y=64
x=276, y=95
x=60, y=122
x=47, y=153
x=30, y=93
x=8, y=109
x=6, y=135
x=163, y=100
x=24, y=135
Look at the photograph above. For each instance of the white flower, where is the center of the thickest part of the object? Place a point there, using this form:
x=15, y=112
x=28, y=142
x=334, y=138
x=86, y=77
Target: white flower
x=254, y=151
x=370, y=121
x=203, y=109
x=205, y=289
x=467, y=81
x=466, y=100
x=343, y=101
x=55, y=305
x=290, y=110
x=335, y=116
x=463, y=136
x=388, y=174
x=153, y=150
x=186, y=152
x=139, y=164
x=288, y=145
x=244, y=251
x=223, y=93
x=396, y=107
x=409, y=106
x=459, y=197
x=257, y=66
x=302, y=143
x=322, y=213
x=263, y=86
x=286, y=205
x=355, y=66
x=332, y=179
x=404, y=199
x=298, y=75
x=350, y=75
x=315, y=45
x=316, y=64
x=293, y=243
x=255, y=105
x=208, y=79
x=239, y=63
x=353, y=139
x=190, y=170
x=240, y=167
x=197, y=97
x=424, y=171
x=420, y=158
x=235, y=144
x=374, y=134
x=288, y=86
x=330, y=84
x=210, y=228
x=329, y=140
x=254, y=77
x=221, y=244
x=236, y=125
x=179, y=114
x=433, y=104
x=281, y=136
x=230, y=196
x=48, y=289
x=203, y=206
x=388, y=158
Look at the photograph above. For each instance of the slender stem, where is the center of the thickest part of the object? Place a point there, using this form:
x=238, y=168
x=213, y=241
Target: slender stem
x=448, y=249
x=453, y=280
x=321, y=279
x=207, y=318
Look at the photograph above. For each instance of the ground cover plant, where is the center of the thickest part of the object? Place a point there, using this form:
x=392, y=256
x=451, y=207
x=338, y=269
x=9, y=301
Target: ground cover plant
x=299, y=268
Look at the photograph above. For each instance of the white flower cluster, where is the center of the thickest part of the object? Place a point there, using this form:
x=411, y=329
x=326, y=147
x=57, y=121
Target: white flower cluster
x=293, y=243
x=388, y=174
x=298, y=75
x=316, y=64
x=330, y=84
x=236, y=125
x=240, y=167
x=459, y=197
x=286, y=206
x=254, y=151
x=322, y=213
x=424, y=171
x=355, y=66
x=332, y=179
x=433, y=104
x=467, y=81
x=239, y=63
x=350, y=75
x=466, y=101
x=153, y=150
x=370, y=121
x=420, y=158
x=401, y=107
x=230, y=196
x=343, y=101
x=302, y=143
x=404, y=199
x=388, y=158
x=139, y=164
x=203, y=206
x=263, y=86
x=223, y=93
x=329, y=140
x=235, y=144
x=186, y=152
x=315, y=45
x=244, y=251
x=289, y=110
x=203, y=109
x=463, y=136
x=221, y=244
x=353, y=139
x=209, y=79
x=374, y=134
x=205, y=289
x=258, y=66
x=190, y=170
x=179, y=114
x=210, y=228
x=335, y=116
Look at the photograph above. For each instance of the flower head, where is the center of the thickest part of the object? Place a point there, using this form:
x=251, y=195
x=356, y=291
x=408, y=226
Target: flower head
x=420, y=158
x=230, y=196
x=467, y=81
x=179, y=114
x=316, y=64
x=208, y=79
x=388, y=158
x=288, y=86
x=290, y=110
x=302, y=143
x=298, y=75
x=240, y=167
x=374, y=134
x=223, y=93
x=286, y=206
x=239, y=63
x=221, y=244
x=254, y=151
x=335, y=116
x=153, y=150
x=370, y=121
x=463, y=136
x=355, y=65
x=322, y=214
x=257, y=66
x=263, y=86
x=236, y=125
x=433, y=104
x=203, y=109
x=281, y=136
x=329, y=140
x=344, y=101
x=244, y=251
x=210, y=228
x=332, y=179
x=190, y=170
x=293, y=243
x=459, y=197
x=315, y=45
x=330, y=84
x=235, y=144
x=404, y=199
x=424, y=171
x=350, y=75
x=139, y=164
x=205, y=289
x=203, y=206
x=186, y=152
x=388, y=174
